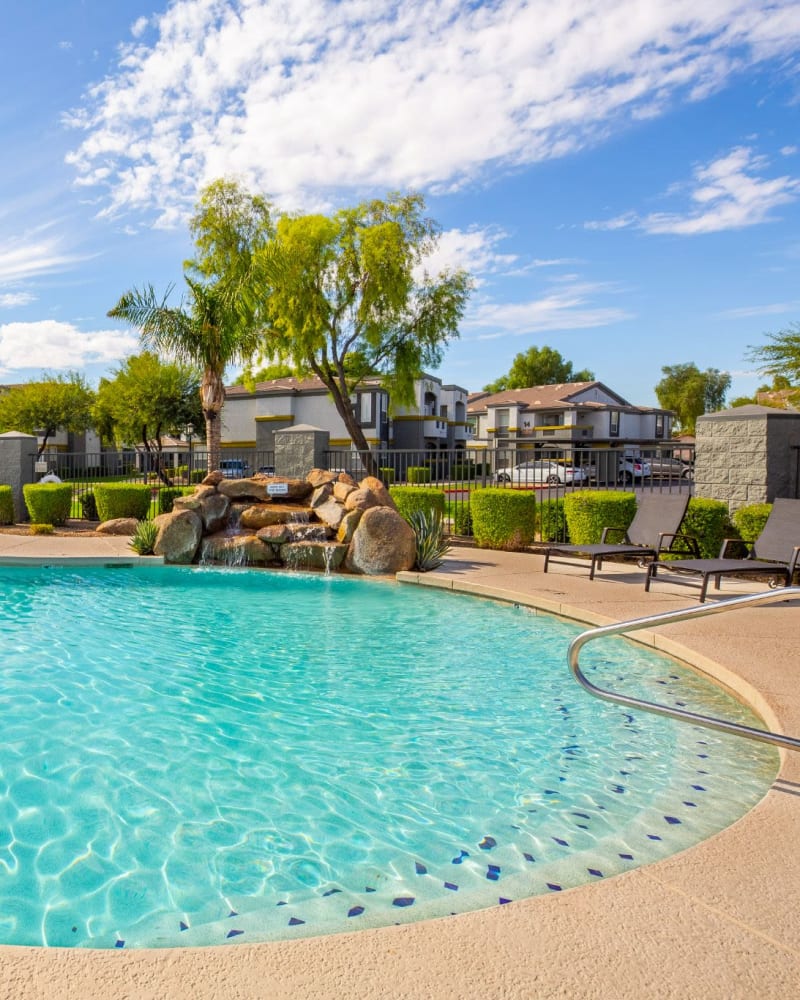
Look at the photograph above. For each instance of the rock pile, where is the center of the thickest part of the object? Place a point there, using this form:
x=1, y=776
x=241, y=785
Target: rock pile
x=325, y=521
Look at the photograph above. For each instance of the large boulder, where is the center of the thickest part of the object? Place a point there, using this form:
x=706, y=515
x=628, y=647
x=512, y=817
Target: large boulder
x=210, y=506
x=330, y=513
x=179, y=535
x=362, y=499
x=118, y=526
x=214, y=510
x=261, y=515
x=319, y=477
x=376, y=487
x=288, y=489
x=235, y=550
x=313, y=555
x=383, y=542
x=238, y=489
x=348, y=526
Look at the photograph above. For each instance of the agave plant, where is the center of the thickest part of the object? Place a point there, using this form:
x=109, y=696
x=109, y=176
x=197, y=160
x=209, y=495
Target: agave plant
x=143, y=540
x=431, y=544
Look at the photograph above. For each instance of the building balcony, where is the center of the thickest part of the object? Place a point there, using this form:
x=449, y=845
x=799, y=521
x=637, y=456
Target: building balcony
x=432, y=428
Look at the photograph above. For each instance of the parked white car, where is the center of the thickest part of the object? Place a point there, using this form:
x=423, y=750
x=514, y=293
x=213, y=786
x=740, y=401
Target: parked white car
x=539, y=472
x=631, y=469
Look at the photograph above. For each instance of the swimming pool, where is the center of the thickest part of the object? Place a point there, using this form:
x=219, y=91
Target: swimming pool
x=198, y=757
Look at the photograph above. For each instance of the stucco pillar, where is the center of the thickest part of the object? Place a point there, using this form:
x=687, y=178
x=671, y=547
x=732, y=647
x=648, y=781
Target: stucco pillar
x=17, y=457
x=300, y=449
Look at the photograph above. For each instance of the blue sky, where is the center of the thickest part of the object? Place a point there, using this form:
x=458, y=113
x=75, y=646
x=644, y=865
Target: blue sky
x=621, y=177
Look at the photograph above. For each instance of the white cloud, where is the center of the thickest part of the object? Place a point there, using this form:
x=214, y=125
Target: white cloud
x=10, y=300
x=570, y=306
x=30, y=257
x=728, y=193
x=52, y=345
x=768, y=309
x=473, y=250
x=304, y=99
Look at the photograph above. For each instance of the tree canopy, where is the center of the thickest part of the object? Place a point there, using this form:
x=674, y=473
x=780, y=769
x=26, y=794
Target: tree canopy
x=145, y=400
x=780, y=356
x=217, y=323
x=347, y=295
x=55, y=402
x=691, y=392
x=538, y=366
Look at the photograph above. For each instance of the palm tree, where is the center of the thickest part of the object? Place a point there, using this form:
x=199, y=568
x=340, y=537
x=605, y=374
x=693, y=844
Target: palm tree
x=216, y=330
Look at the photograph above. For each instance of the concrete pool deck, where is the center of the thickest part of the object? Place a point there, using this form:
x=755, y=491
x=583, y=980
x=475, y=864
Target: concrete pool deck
x=720, y=920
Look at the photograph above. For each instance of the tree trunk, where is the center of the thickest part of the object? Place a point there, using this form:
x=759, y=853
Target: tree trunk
x=213, y=439
x=345, y=410
x=212, y=397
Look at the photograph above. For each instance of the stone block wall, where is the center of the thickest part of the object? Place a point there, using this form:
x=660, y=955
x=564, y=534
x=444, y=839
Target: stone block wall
x=17, y=454
x=747, y=455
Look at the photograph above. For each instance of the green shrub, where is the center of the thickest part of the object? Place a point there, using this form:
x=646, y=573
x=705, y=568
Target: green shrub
x=551, y=521
x=410, y=500
x=428, y=527
x=48, y=503
x=387, y=476
x=122, y=500
x=198, y=475
x=464, y=470
x=6, y=505
x=168, y=494
x=503, y=519
x=709, y=522
x=88, y=505
x=41, y=529
x=587, y=512
x=418, y=474
x=749, y=521
x=143, y=540
x=462, y=519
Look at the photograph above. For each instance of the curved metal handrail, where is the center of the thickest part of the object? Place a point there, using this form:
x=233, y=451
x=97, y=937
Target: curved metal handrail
x=704, y=610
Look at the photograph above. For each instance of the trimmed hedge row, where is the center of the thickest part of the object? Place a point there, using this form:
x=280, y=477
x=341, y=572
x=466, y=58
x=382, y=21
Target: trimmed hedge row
x=749, y=521
x=6, y=505
x=122, y=500
x=48, y=503
x=587, y=512
x=411, y=500
x=503, y=518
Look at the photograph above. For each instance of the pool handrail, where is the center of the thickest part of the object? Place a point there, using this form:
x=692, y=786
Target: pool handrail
x=666, y=618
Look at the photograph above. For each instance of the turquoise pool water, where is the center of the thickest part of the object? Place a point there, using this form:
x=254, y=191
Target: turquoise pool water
x=202, y=757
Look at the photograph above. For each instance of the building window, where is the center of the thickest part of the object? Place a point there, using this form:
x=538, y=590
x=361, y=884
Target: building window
x=501, y=421
x=366, y=409
x=613, y=430
x=659, y=425
x=443, y=411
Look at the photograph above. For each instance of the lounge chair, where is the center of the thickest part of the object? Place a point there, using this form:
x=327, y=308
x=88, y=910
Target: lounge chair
x=652, y=530
x=774, y=553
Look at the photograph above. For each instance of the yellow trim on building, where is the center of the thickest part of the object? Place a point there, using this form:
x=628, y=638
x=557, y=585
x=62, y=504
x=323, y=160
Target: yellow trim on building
x=280, y=416
x=237, y=444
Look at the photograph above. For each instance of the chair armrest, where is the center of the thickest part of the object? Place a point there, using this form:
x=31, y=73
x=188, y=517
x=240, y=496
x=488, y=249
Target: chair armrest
x=690, y=540
x=726, y=542
x=604, y=536
x=794, y=563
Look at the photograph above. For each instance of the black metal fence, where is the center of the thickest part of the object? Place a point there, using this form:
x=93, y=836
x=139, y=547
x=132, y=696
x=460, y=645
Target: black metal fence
x=551, y=472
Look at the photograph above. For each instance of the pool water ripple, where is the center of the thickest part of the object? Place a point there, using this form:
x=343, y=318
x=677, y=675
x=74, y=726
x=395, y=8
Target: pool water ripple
x=202, y=757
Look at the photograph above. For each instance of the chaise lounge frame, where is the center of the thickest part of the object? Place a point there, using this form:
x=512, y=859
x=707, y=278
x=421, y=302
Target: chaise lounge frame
x=775, y=553
x=653, y=530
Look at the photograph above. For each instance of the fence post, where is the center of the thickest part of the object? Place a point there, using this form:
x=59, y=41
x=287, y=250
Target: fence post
x=17, y=456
